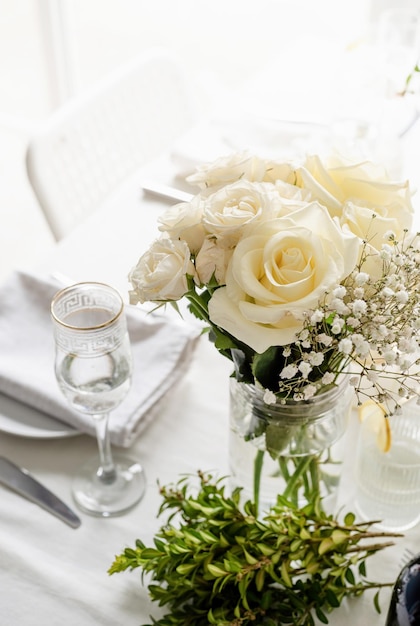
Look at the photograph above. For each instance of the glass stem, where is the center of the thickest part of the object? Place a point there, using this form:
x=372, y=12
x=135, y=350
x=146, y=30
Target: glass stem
x=106, y=471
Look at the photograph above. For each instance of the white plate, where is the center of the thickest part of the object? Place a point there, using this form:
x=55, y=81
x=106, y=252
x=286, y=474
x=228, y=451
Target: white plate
x=24, y=421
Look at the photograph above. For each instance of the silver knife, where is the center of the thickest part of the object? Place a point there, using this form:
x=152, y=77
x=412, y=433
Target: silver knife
x=22, y=482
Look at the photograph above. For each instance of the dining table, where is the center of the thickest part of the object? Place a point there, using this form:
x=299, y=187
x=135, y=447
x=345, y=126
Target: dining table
x=56, y=575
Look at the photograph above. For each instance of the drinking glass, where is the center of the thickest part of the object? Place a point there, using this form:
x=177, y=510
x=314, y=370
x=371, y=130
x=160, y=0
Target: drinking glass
x=388, y=482
x=93, y=369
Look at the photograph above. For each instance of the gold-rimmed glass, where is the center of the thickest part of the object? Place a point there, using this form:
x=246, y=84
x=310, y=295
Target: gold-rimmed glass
x=93, y=367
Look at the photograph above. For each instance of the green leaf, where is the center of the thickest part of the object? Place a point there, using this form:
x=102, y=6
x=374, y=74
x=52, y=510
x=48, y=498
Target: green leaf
x=325, y=545
x=150, y=553
x=284, y=570
x=251, y=560
x=216, y=571
x=259, y=580
x=277, y=436
x=185, y=568
x=350, y=576
x=349, y=519
x=221, y=340
x=332, y=598
x=304, y=534
x=263, y=370
x=321, y=615
x=339, y=536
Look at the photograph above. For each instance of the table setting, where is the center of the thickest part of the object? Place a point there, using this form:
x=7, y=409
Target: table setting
x=176, y=419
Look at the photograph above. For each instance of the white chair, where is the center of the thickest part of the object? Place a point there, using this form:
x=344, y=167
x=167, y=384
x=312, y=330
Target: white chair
x=96, y=141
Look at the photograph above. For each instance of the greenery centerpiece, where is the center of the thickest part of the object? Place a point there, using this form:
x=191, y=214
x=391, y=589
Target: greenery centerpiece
x=215, y=562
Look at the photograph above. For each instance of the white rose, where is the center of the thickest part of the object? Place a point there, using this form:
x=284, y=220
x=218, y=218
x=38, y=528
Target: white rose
x=161, y=273
x=212, y=260
x=227, y=170
x=278, y=273
x=183, y=221
x=229, y=212
x=361, y=222
x=354, y=191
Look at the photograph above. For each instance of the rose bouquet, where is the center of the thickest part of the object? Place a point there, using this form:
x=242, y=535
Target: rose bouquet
x=301, y=271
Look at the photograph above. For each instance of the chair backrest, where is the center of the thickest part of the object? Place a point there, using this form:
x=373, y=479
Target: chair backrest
x=93, y=143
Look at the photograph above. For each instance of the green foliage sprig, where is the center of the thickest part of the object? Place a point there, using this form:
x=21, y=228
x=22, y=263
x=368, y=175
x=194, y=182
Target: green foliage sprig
x=215, y=562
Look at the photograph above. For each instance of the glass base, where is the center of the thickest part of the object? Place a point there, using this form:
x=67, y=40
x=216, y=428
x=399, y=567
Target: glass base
x=94, y=496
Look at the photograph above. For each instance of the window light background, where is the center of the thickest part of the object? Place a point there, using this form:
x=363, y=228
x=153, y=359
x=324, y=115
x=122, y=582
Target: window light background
x=260, y=56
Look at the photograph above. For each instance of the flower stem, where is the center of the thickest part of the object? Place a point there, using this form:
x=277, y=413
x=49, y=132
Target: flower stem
x=292, y=485
x=258, y=464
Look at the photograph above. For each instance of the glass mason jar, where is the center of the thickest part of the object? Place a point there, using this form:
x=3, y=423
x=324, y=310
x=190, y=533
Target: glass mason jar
x=288, y=448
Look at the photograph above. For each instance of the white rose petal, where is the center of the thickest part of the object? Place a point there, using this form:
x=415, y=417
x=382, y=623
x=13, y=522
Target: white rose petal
x=183, y=221
x=212, y=260
x=355, y=192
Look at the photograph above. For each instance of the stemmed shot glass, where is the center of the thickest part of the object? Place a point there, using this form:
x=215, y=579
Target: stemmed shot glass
x=93, y=368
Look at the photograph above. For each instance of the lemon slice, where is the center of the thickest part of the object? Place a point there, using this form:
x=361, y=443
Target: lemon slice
x=374, y=415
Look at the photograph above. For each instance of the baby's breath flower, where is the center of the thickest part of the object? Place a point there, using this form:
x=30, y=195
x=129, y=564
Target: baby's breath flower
x=287, y=351
x=289, y=371
x=387, y=292
x=345, y=345
x=339, y=306
x=360, y=344
x=404, y=363
x=372, y=375
x=316, y=358
x=305, y=369
x=386, y=253
x=337, y=325
x=269, y=397
x=359, y=307
x=361, y=278
x=353, y=321
x=339, y=292
x=402, y=297
x=328, y=378
x=309, y=391
x=390, y=356
x=325, y=339
x=316, y=317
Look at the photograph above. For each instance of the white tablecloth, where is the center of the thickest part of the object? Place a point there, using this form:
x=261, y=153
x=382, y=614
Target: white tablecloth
x=51, y=574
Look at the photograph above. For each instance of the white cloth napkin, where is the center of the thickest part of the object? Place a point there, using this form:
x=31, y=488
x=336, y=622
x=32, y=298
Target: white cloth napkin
x=162, y=349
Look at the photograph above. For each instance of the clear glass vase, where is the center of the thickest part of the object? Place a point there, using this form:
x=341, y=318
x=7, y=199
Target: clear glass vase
x=289, y=448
